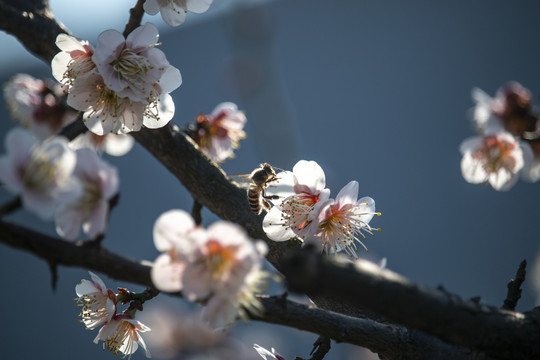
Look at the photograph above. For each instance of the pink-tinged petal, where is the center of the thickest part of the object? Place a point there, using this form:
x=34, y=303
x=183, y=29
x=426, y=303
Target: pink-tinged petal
x=366, y=206
x=110, y=43
x=473, y=170
x=86, y=287
x=9, y=175
x=143, y=37
x=167, y=274
x=470, y=144
x=96, y=224
x=151, y=7
x=69, y=43
x=197, y=282
x=59, y=65
x=171, y=17
x=165, y=111
x=348, y=194
x=19, y=141
x=172, y=228
x=68, y=222
x=118, y=145
x=170, y=79
x=99, y=283
x=283, y=186
x=107, y=330
x=198, y=6
x=310, y=174
x=274, y=226
x=43, y=207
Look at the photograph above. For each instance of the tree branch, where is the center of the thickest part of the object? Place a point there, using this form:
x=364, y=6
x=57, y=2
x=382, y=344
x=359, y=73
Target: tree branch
x=390, y=341
x=514, y=288
x=499, y=333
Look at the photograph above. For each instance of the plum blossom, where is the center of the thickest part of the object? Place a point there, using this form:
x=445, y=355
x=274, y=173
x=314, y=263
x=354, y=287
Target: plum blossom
x=40, y=173
x=134, y=67
x=267, y=355
x=120, y=86
x=97, y=301
x=99, y=183
x=296, y=193
x=219, y=133
x=510, y=109
x=219, y=264
x=112, y=144
x=37, y=104
x=121, y=334
x=73, y=61
x=174, y=12
x=341, y=223
x=496, y=158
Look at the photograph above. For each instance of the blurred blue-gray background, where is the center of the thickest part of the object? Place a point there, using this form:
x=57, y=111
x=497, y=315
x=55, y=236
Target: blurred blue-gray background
x=374, y=91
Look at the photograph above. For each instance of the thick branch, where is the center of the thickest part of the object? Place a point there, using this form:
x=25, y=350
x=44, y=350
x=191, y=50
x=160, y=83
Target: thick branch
x=389, y=341
x=33, y=24
x=499, y=333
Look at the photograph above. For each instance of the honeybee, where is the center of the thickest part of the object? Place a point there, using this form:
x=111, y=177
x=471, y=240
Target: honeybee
x=258, y=181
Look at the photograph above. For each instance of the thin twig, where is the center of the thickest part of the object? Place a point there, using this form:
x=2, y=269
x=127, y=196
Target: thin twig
x=10, y=206
x=136, y=14
x=196, y=212
x=321, y=347
x=514, y=288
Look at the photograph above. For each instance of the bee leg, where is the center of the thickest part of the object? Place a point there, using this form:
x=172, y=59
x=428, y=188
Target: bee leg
x=266, y=204
x=271, y=197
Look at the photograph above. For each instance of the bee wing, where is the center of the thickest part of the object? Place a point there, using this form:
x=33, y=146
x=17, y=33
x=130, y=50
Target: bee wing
x=242, y=180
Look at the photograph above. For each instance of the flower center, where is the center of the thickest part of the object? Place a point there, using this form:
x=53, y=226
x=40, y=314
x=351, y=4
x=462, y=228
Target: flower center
x=136, y=70
x=497, y=154
x=40, y=173
x=219, y=258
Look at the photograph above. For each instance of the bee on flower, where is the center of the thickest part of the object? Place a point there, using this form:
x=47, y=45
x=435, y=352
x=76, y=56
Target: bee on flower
x=303, y=209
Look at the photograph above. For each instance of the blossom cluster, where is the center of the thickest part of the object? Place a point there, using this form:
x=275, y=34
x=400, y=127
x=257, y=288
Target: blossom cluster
x=39, y=106
x=55, y=181
x=507, y=146
x=120, y=331
x=121, y=84
x=303, y=209
x=220, y=265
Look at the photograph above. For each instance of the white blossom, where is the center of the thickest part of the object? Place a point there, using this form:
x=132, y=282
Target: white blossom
x=341, y=223
x=496, y=158
x=40, y=173
x=297, y=194
x=174, y=12
x=121, y=334
x=219, y=133
x=99, y=183
x=97, y=301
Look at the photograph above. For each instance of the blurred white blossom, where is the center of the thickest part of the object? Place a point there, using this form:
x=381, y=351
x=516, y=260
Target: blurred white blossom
x=496, y=158
x=98, y=183
x=174, y=12
x=41, y=173
x=219, y=133
x=215, y=264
